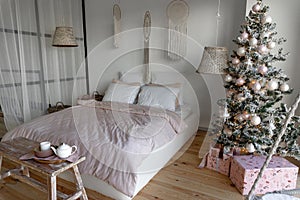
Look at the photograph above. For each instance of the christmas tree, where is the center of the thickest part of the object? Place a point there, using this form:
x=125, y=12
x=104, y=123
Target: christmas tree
x=255, y=88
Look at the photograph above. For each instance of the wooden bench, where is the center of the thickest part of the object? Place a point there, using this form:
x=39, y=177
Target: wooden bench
x=12, y=150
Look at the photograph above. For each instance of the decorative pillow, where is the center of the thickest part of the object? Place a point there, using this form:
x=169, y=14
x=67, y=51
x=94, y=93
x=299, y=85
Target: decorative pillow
x=119, y=91
x=169, y=79
x=158, y=96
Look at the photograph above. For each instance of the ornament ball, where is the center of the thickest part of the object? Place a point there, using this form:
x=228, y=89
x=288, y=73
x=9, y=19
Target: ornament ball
x=272, y=85
x=284, y=87
x=271, y=45
x=262, y=69
x=228, y=78
x=241, y=51
x=240, y=118
x=240, y=82
x=235, y=61
x=255, y=120
x=263, y=49
x=250, y=147
x=253, y=42
x=266, y=19
x=244, y=35
x=256, y=8
x=256, y=87
x=240, y=97
x=229, y=93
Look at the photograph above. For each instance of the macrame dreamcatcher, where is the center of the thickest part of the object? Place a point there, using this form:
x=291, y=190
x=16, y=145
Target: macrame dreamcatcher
x=177, y=12
x=147, y=31
x=117, y=24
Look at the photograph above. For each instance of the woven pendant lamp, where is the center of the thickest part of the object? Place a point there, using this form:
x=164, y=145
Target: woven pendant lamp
x=214, y=60
x=64, y=37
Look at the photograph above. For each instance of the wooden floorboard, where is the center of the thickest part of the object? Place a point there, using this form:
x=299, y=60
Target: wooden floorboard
x=180, y=179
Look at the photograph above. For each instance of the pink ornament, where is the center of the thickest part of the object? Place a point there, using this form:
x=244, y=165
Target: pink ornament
x=244, y=35
x=241, y=51
x=256, y=8
x=256, y=87
x=240, y=82
x=229, y=93
x=266, y=19
x=228, y=78
x=235, y=61
x=262, y=69
x=240, y=118
x=253, y=42
x=240, y=97
x=263, y=49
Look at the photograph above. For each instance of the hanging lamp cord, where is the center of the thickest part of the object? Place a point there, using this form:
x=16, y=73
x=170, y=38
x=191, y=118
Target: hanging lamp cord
x=218, y=16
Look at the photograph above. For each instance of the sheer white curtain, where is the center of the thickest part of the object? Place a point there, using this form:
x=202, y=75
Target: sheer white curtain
x=33, y=73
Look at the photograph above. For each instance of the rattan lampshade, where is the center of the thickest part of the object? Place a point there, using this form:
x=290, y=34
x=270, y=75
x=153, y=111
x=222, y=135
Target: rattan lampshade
x=214, y=60
x=64, y=37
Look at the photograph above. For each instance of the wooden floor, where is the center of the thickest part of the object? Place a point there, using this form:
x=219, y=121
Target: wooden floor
x=181, y=179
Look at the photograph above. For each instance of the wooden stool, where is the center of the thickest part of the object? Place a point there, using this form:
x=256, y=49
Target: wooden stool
x=14, y=149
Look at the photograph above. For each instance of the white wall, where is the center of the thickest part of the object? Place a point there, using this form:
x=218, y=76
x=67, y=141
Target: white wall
x=286, y=15
x=105, y=59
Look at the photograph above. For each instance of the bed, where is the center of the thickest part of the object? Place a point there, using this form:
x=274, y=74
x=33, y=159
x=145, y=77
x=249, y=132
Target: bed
x=126, y=143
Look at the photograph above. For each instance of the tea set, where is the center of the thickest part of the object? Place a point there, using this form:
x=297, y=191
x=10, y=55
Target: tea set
x=62, y=151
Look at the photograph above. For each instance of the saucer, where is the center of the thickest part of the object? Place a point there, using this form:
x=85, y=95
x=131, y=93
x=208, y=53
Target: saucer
x=42, y=154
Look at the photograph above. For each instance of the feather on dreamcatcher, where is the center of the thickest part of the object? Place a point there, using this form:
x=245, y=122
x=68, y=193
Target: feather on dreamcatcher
x=117, y=24
x=177, y=12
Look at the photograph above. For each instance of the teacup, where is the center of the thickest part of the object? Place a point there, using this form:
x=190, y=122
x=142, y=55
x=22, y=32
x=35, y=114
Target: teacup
x=45, y=146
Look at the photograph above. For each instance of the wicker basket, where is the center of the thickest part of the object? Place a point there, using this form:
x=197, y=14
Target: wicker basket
x=97, y=96
x=59, y=106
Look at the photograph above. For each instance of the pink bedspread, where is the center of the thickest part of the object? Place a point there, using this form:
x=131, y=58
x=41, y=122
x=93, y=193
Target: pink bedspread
x=114, y=137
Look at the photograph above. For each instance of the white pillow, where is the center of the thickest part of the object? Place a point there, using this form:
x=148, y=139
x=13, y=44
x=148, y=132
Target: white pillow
x=158, y=96
x=169, y=78
x=122, y=92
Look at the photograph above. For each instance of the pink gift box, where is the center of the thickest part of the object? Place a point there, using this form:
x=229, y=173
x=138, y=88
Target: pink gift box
x=279, y=175
x=221, y=165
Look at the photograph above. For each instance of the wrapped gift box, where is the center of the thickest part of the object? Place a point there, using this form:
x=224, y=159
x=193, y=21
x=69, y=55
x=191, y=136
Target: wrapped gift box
x=279, y=175
x=217, y=162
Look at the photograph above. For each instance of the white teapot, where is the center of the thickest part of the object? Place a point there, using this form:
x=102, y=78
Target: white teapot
x=64, y=150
